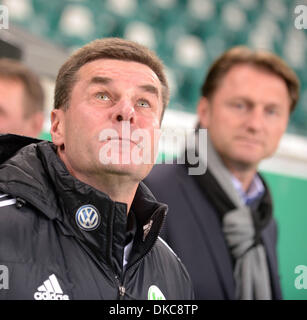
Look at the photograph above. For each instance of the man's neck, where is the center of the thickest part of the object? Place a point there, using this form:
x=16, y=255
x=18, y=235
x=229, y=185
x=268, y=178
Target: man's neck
x=244, y=174
x=120, y=188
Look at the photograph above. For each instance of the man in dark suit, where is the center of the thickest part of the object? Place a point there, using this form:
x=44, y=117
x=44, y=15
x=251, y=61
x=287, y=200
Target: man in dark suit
x=220, y=223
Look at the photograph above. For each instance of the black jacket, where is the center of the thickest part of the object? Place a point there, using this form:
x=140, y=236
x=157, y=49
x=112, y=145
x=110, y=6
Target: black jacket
x=194, y=231
x=49, y=256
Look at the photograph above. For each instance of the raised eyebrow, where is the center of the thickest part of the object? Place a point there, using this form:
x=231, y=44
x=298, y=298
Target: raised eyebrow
x=150, y=88
x=105, y=80
x=100, y=80
x=249, y=102
x=273, y=103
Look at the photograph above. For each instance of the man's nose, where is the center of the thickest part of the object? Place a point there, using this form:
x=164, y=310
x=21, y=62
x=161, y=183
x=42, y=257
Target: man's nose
x=255, y=119
x=124, y=111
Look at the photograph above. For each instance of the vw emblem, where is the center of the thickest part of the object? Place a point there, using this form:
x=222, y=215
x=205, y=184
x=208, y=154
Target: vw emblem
x=88, y=218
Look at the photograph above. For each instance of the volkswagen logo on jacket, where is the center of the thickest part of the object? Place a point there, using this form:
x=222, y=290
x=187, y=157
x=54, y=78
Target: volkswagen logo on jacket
x=87, y=218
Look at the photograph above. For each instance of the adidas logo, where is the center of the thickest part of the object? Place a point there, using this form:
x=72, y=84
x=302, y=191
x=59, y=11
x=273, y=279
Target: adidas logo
x=50, y=290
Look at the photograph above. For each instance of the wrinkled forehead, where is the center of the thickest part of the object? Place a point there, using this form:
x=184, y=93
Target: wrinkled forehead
x=119, y=70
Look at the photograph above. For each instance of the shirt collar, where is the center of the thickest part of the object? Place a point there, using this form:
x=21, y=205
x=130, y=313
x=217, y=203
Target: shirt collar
x=255, y=190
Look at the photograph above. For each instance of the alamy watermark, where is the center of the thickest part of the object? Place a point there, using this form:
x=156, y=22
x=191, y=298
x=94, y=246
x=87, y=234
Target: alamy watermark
x=4, y=277
x=4, y=17
x=300, y=281
x=140, y=146
x=300, y=21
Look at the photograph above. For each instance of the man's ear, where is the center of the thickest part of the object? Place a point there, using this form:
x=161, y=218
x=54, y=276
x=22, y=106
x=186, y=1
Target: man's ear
x=203, y=112
x=57, y=126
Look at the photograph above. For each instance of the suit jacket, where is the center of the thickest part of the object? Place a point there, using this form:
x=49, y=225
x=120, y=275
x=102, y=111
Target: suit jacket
x=194, y=232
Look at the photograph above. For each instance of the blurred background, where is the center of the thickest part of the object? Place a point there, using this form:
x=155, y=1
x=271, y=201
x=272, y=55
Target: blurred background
x=188, y=36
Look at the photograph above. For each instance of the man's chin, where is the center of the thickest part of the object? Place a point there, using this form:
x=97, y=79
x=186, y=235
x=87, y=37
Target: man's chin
x=247, y=162
x=138, y=172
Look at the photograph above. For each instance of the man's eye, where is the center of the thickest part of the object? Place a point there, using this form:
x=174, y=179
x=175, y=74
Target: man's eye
x=143, y=104
x=271, y=111
x=102, y=96
x=239, y=105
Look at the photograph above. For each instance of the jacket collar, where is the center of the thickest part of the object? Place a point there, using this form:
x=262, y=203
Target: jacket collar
x=42, y=179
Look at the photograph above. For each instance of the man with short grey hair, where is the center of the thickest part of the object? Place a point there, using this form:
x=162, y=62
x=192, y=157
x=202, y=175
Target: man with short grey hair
x=71, y=225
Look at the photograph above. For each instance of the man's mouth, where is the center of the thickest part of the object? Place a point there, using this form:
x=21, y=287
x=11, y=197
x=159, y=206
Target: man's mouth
x=250, y=140
x=122, y=141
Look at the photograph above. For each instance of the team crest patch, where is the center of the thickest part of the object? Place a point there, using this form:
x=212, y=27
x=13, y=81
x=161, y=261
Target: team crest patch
x=87, y=218
x=154, y=293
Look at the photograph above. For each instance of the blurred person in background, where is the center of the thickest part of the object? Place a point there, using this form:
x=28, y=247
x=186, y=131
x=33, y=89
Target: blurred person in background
x=21, y=99
x=220, y=223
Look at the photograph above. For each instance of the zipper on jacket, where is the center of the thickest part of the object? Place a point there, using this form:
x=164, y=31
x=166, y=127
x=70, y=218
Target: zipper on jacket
x=122, y=291
x=121, y=288
x=120, y=281
x=144, y=256
x=20, y=202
